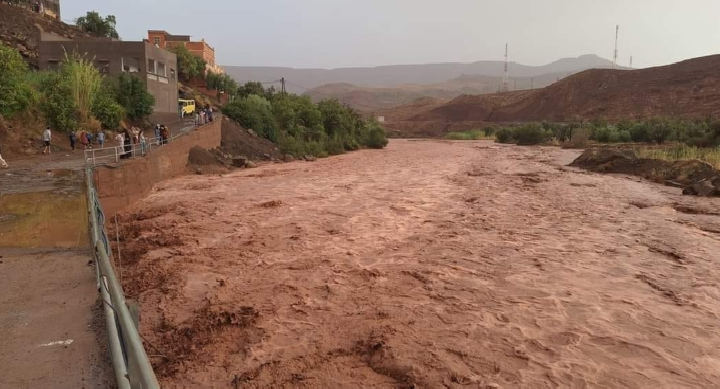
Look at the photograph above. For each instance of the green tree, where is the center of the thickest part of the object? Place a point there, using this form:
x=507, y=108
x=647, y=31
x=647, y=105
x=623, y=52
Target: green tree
x=15, y=93
x=189, y=65
x=251, y=88
x=132, y=95
x=106, y=109
x=93, y=23
x=377, y=138
x=253, y=112
x=56, y=102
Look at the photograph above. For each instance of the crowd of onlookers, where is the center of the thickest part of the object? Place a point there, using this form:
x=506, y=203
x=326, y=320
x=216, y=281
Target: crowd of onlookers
x=129, y=140
x=204, y=116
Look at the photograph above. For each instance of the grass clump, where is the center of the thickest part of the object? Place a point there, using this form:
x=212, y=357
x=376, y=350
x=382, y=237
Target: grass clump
x=486, y=133
x=682, y=153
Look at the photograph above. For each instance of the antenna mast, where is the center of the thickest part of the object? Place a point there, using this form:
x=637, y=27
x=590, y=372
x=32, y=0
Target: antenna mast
x=617, y=33
x=504, y=87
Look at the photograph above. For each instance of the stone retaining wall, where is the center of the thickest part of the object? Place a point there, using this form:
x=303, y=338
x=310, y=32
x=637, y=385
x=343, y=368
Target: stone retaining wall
x=122, y=186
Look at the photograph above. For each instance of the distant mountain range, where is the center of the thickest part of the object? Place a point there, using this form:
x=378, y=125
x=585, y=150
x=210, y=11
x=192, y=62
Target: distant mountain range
x=382, y=87
x=390, y=76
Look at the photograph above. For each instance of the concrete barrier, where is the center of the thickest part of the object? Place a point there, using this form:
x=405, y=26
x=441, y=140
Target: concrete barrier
x=119, y=187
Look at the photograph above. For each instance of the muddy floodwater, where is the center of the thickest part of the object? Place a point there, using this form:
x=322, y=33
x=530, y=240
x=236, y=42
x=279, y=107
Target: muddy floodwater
x=427, y=264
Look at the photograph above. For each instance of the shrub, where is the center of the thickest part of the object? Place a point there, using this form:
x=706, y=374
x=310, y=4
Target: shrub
x=15, y=93
x=639, y=132
x=602, y=134
x=253, y=112
x=316, y=149
x=292, y=146
x=133, y=96
x=624, y=136
x=467, y=135
x=504, y=135
x=489, y=131
x=57, y=103
x=335, y=146
x=658, y=131
x=580, y=139
x=106, y=110
x=377, y=138
x=564, y=133
x=531, y=134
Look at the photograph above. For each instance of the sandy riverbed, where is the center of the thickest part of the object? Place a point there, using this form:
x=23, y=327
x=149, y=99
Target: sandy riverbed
x=428, y=263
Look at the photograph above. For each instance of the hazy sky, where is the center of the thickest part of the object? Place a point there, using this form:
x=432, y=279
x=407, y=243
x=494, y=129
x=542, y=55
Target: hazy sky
x=344, y=33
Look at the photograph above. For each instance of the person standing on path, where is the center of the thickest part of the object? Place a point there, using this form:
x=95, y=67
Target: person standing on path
x=143, y=141
x=128, y=143
x=47, y=137
x=101, y=138
x=120, y=139
x=165, y=134
x=157, y=134
x=73, y=140
x=3, y=164
x=84, y=139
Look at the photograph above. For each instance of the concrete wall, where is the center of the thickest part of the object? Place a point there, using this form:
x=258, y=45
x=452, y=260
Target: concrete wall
x=120, y=187
x=163, y=85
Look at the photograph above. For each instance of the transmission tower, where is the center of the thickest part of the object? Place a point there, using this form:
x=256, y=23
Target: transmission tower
x=504, y=87
x=617, y=33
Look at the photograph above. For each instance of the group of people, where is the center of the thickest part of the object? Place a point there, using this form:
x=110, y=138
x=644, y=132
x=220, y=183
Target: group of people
x=128, y=137
x=204, y=116
x=86, y=139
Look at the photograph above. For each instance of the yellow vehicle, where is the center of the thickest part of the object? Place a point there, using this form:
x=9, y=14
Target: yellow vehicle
x=187, y=107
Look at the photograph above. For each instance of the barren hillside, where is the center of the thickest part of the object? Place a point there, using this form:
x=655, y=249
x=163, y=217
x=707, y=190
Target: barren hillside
x=373, y=99
x=688, y=89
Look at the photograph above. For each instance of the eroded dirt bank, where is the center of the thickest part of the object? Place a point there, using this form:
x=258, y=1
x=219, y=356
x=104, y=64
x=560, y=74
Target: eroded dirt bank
x=428, y=263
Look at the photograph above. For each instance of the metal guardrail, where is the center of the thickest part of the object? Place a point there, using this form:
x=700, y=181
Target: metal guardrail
x=132, y=366
x=108, y=155
x=130, y=361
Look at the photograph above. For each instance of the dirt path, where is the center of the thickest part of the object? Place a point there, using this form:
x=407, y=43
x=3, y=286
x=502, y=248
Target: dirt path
x=428, y=263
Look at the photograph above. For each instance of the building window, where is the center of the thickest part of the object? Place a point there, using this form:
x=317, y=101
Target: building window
x=172, y=74
x=161, y=70
x=157, y=41
x=104, y=66
x=151, y=66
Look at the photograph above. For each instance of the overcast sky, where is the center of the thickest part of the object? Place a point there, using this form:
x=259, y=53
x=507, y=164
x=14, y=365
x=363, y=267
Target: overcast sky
x=345, y=33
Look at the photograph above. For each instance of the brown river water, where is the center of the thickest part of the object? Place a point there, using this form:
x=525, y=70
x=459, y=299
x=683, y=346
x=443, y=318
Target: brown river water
x=427, y=264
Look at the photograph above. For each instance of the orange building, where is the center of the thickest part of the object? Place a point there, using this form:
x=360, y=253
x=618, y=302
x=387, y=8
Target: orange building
x=200, y=49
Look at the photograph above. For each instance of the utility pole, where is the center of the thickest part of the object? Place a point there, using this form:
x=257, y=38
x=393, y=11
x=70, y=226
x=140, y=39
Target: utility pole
x=504, y=86
x=617, y=33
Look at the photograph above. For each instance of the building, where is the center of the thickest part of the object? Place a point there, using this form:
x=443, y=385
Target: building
x=201, y=49
x=156, y=67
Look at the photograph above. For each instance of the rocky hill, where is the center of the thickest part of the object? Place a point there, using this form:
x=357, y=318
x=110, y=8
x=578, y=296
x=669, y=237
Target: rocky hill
x=373, y=99
x=689, y=89
x=20, y=29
